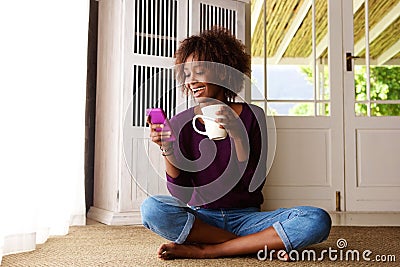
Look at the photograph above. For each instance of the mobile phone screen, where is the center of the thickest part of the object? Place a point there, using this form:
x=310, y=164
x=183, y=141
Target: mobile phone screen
x=157, y=116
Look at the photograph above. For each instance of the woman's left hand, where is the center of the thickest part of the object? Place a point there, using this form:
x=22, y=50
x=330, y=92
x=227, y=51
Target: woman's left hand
x=231, y=122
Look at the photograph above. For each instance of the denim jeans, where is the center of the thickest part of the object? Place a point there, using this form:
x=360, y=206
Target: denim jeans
x=298, y=227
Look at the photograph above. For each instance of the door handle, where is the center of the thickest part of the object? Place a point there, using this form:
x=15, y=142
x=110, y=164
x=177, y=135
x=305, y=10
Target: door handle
x=349, y=62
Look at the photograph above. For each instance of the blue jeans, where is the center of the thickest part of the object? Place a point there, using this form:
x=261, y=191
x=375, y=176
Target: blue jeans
x=298, y=227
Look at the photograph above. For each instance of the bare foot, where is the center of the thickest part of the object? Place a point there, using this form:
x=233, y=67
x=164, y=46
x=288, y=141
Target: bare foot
x=172, y=251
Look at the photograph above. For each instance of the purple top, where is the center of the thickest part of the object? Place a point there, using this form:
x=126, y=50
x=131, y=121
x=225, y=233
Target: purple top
x=211, y=176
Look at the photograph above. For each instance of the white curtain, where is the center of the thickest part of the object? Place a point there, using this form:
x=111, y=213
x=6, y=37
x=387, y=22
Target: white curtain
x=43, y=52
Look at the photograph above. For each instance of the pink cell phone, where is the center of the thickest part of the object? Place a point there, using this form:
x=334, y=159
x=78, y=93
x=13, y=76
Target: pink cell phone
x=157, y=116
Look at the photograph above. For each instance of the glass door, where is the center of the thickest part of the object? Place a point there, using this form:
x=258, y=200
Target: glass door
x=372, y=104
x=298, y=80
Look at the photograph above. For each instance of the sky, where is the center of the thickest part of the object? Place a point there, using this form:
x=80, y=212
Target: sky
x=283, y=82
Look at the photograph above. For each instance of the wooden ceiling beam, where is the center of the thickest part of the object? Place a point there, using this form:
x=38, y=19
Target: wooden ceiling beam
x=385, y=22
x=301, y=14
x=284, y=61
x=389, y=53
x=357, y=5
x=255, y=14
x=374, y=62
x=323, y=44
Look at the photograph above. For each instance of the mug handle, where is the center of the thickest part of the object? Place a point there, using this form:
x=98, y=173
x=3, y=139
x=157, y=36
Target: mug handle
x=194, y=123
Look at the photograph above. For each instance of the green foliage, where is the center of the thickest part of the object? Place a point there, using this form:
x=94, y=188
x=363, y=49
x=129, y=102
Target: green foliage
x=309, y=74
x=303, y=109
x=307, y=109
x=384, y=85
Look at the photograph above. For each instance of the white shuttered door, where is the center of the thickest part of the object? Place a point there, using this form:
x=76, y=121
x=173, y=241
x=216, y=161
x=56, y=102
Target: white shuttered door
x=228, y=14
x=153, y=30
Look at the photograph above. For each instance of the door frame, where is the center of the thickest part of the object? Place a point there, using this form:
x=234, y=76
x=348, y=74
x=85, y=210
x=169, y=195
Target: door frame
x=282, y=188
x=364, y=194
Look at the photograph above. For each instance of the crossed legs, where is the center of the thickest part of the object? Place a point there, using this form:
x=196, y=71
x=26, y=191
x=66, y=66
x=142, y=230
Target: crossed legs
x=206, y=241
x=193, y=238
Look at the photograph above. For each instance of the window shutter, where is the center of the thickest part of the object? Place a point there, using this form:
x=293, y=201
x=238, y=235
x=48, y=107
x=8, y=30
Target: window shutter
x=154, y=28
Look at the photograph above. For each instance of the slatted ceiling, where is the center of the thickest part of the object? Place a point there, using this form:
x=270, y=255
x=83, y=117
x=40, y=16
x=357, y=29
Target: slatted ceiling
x=385, y=40
x=279, y=16
x=152, y=87
x=211, y=15
x=301, y=44
x=155, y=27
x=377, y=10
x=275, y=16
x=257, y=47
x=324, y=54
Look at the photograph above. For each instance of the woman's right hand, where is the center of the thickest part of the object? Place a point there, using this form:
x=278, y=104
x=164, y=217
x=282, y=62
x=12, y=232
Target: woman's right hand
x=158, y=136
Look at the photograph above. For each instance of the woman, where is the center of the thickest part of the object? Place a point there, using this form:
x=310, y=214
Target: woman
x=224, y=219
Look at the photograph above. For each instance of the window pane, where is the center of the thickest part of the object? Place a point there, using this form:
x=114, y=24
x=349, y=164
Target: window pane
x=323, y=92
x=289, y=83
x=385, y=109
x=384, y=86
x=378, y=110
x=292, y=109
x=360, y=83
x=302, y=109
x=385, y=83
x=323, y=109
x=361, y=109
x=296, y=72
x=257, y=82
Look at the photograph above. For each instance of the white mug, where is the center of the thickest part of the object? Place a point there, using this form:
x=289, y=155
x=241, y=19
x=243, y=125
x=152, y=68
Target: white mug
x=213, y=130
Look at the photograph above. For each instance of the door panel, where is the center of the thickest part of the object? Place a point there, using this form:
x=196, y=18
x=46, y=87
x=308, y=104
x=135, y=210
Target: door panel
x=295, y=158
x=354, y=147
x=372, y=132
x=308, y=163
x=380, y=146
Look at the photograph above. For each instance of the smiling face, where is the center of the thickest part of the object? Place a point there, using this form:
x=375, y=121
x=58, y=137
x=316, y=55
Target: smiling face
x=199, y=81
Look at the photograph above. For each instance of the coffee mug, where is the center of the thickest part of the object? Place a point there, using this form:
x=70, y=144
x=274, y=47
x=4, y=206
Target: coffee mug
x=213, y=130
